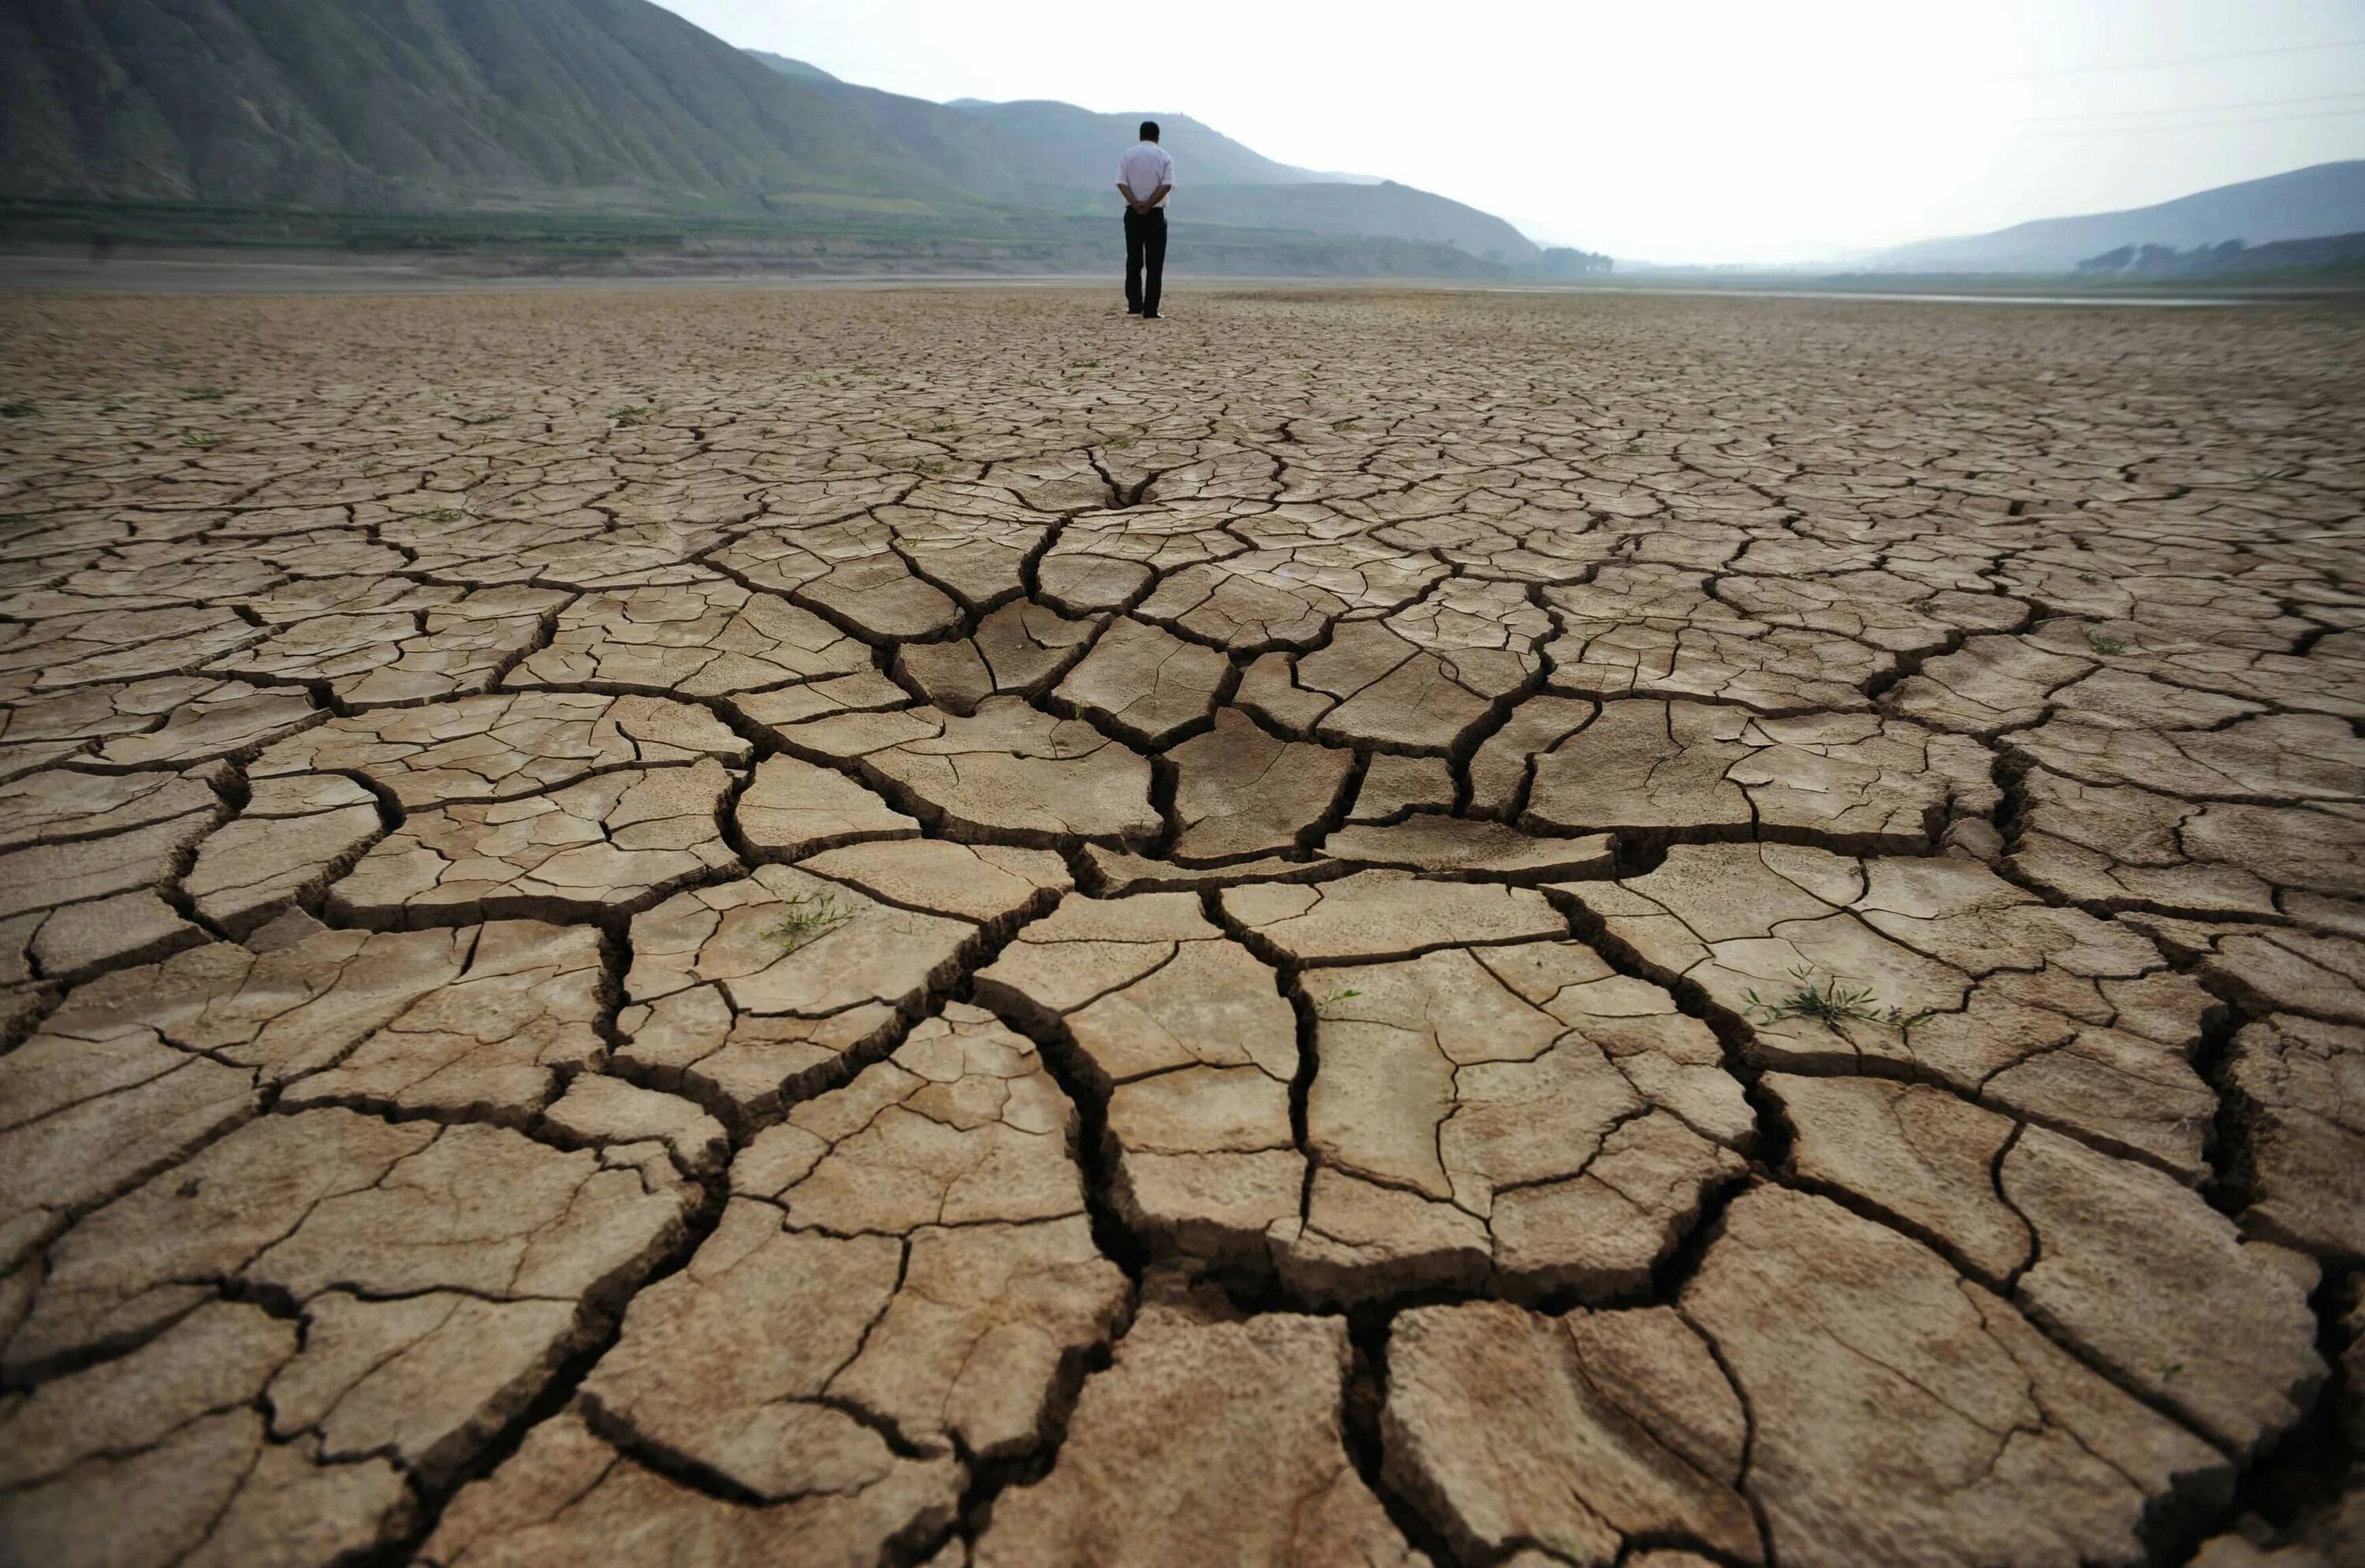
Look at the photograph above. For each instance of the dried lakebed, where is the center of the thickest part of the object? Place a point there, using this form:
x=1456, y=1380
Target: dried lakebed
x=920, y=928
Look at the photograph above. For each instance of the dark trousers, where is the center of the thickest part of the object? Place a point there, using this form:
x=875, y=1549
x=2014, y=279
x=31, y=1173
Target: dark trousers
x=1144, y=242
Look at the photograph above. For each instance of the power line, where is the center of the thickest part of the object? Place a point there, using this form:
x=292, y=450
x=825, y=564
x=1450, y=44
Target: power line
x=2193, y=125
x=2188, y=60
x=2197, y=109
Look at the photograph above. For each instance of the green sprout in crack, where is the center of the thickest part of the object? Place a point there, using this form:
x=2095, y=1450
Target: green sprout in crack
x=2169, y=1370
x=1346, y=424
x=201, y=437
x=1322, y=1008
x=1829, y=1003
x=481, y=419
x=632, y=414
x=809, y=916
x=1120, y=443
x=2103, y=643
x=442, y=514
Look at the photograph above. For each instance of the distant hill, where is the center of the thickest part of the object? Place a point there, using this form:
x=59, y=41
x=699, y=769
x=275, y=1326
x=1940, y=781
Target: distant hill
x=2328, y=198
x=1387, y=208
x=1065, y=157
x=241, y=111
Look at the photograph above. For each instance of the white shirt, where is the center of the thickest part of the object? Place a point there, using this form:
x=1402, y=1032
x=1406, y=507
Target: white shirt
x=1144, y=168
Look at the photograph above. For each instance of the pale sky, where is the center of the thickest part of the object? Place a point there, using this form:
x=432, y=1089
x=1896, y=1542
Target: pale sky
x=1716, y=130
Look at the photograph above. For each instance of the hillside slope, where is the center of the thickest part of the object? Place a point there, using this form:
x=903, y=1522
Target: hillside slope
x=375, y=103
x=2327, y=198
x=1386, y=209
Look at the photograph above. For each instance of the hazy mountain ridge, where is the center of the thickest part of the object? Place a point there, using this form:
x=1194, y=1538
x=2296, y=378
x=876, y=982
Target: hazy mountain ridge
x=2305, y=204
x=1065, y=157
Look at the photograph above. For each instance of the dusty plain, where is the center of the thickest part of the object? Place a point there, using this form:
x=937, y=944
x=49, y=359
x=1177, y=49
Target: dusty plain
x=852, y=927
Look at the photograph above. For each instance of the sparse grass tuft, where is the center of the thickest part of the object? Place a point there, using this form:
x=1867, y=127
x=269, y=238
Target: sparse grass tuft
x=1085, y=364
x=1346, y=424
x=1322, y=1008
x=202, y=438
x=632, y=414
x=809, y=916
x=2103, y=643
x=1119, y=444
x=444, y=514
x=1829, y=1003
x=928, y=466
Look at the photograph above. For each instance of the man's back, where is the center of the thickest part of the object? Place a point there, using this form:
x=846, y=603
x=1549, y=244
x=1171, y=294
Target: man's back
x=1144, y=168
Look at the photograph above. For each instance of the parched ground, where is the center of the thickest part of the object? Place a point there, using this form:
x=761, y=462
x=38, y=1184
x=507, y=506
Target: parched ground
x=852, y=927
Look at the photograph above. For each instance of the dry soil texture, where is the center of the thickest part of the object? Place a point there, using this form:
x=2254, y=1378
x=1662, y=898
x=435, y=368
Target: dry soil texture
x=941, y=927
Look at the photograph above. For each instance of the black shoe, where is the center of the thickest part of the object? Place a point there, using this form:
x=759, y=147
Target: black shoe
x=1151, y=316
x=1133, y=310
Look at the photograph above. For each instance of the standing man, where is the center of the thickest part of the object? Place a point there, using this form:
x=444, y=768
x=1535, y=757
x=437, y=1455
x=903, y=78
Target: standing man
x=1144, y=175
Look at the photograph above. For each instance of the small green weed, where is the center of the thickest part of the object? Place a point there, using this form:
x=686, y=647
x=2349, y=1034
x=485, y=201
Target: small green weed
x=1829, y=1003
x=2169, y=1371
x=202, y=438
x=2104, y=643
x=1346, y=424
x=929, y=467
x=1085, y=364
x=481, y=419
x=1122, y=443
x=442, y=514
x=15, y=410
x=810, y=915
x=632, y=414
x=1322, y=1008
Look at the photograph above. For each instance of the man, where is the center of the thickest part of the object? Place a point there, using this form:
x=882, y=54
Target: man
x=1144, y=175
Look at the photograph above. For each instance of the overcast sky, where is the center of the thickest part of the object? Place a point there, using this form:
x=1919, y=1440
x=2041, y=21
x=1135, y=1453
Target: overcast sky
x=1713, y=131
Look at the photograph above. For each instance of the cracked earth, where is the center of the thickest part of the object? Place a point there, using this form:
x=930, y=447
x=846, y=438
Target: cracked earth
x=928, y=928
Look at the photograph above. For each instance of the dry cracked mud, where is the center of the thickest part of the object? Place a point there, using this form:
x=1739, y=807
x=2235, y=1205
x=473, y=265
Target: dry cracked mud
x=906, y=927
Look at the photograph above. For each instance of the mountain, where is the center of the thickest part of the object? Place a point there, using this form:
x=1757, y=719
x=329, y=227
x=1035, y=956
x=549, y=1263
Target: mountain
x=423, y=104
x=2328, y=198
